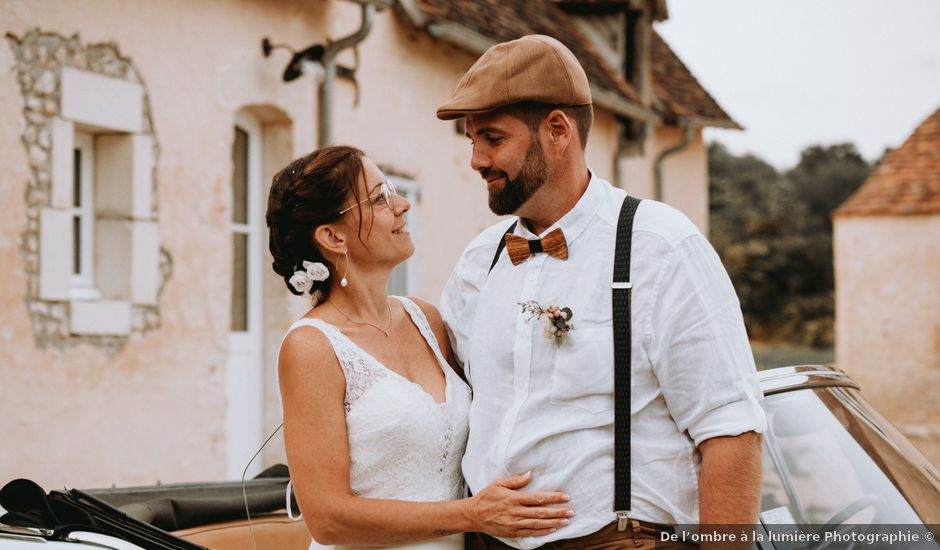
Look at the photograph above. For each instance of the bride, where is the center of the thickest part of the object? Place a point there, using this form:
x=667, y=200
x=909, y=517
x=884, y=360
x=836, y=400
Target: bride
x=375, y=416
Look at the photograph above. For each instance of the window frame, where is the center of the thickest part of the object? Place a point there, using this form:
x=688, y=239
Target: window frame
x=410, y=191
x=83, y=209
x=252, y=227
x=117, y=247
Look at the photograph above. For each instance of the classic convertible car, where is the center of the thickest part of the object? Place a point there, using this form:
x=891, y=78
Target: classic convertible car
x=836, y=475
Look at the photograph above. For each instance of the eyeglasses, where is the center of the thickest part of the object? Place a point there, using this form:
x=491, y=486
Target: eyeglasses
x=387, y=191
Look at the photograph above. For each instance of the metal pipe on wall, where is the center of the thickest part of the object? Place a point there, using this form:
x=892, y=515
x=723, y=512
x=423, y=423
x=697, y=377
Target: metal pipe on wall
x=687, y=137
x=325, y=91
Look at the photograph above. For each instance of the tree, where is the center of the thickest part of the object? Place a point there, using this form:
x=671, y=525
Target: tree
x=826, y=176
x=774, y=236
x=756, y=226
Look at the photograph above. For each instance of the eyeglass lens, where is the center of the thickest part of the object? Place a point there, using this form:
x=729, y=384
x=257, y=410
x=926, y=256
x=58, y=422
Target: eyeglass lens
x=389, y=191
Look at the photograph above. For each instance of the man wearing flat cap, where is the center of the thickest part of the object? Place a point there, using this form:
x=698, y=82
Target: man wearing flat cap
x=529, y=310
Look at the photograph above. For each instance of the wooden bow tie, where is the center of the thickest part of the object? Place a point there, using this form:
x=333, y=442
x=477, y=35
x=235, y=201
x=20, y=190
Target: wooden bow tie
x=520, y=248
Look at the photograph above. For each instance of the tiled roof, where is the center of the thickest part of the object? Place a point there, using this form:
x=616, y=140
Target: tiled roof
x=502, y=20
x=594, y=6
x=605, y=6
x=493, y=21
x=907, y=182
x=680, y=91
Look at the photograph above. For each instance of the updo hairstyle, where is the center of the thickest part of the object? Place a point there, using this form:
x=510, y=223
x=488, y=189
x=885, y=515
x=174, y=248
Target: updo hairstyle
x=307, y=193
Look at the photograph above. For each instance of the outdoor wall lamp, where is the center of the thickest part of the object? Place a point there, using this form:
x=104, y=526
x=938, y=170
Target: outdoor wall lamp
x=324, y=56
x=304, y=61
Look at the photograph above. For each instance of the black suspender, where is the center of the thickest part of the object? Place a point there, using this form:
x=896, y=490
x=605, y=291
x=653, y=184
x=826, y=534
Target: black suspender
x=502, y=245
x=621, y=290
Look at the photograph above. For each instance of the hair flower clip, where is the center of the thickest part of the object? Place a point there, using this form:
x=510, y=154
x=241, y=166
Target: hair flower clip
x=557, y=319
x=302, y=280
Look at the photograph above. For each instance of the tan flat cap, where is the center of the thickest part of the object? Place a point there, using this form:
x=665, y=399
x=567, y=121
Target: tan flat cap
x=532, y=68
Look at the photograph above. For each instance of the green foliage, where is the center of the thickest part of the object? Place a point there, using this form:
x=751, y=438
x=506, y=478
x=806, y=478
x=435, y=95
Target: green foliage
x=826, y=176
x=773, y=233
x=772, y=355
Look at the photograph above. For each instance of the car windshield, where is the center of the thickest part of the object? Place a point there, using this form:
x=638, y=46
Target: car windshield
x=831, y=460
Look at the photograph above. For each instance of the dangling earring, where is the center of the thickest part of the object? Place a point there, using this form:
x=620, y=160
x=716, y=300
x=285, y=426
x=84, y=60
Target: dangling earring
x=343, y=282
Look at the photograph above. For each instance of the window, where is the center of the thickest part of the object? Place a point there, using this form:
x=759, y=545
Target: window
x=245, y=226
x=83, y=218
x=98, y=239
x=402, y=281
x=244, y=384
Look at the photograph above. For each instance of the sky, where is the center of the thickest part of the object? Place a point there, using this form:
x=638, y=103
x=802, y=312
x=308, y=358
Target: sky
x=802, y=72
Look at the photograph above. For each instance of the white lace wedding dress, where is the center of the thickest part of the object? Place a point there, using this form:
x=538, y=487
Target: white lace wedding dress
x=402, y=444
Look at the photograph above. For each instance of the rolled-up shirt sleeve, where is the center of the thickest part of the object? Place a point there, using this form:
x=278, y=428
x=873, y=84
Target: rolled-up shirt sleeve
x=698, y=346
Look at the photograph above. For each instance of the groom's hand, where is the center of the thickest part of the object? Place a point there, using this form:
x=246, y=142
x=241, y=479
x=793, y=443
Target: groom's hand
x=502, y=510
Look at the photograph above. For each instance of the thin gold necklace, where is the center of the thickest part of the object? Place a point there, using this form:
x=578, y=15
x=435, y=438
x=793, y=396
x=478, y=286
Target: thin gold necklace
x=384, y=331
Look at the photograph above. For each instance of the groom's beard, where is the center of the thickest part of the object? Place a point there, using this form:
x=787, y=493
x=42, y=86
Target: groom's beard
x=516, y=192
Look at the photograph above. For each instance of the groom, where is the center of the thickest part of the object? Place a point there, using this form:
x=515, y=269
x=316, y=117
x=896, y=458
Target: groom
x=543, y=392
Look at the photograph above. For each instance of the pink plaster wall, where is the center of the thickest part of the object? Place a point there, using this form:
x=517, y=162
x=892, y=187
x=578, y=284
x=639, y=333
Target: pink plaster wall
x=685, y=173
x=155, y=410
x=888, y=318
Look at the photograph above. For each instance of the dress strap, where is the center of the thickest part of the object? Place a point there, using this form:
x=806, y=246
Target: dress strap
x=323, y=326
x=358, y=366
x=424, y=327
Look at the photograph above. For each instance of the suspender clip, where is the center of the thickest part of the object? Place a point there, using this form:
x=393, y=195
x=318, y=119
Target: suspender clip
x=622, y=520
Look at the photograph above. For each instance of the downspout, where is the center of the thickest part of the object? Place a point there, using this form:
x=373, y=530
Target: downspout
x=618, y=175
x=622, y=146
x=325, y=92
x=661, y=157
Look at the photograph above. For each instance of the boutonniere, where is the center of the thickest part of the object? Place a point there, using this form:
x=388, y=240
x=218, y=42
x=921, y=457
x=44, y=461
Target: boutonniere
x=557, y=319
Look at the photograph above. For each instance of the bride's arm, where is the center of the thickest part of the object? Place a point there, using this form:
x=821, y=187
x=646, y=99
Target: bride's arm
x=312, y=390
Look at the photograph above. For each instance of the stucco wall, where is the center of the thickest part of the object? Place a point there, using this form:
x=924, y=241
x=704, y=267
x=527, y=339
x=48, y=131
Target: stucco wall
x=888, y=318
x=152, y=410
x=405, y=75
x=685, y=173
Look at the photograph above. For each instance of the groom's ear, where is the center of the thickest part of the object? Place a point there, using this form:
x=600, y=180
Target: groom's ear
x=330, y=238
x=558, y=131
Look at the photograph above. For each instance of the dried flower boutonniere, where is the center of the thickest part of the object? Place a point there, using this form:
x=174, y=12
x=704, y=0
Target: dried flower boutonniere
x=557, y=319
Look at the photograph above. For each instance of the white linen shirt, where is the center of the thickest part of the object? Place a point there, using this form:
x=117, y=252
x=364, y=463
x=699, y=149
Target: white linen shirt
x=550, y=409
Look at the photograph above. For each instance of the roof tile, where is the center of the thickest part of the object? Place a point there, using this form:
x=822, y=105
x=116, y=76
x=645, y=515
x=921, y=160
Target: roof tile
x=907, y=182
x=502, y=20
x=679, y=90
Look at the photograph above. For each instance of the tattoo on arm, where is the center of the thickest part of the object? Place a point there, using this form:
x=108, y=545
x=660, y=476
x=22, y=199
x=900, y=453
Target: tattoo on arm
x=441, y=532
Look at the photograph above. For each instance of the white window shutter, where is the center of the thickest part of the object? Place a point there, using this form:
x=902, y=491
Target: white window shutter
x=63, y=159
x=142, y=176
x=124, y=176
x=55, y=254
x=113, y=239
x=145, y=263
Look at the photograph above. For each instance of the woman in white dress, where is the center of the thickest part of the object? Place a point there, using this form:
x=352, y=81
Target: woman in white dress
x=375, y=416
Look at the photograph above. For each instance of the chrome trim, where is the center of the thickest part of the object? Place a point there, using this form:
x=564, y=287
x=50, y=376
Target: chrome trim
x=784, y=379
x=26, y=532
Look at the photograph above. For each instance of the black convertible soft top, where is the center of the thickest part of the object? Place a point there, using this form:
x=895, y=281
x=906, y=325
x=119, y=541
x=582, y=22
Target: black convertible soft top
x=143, y=515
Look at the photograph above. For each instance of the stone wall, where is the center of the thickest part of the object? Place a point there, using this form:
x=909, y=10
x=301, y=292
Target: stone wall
x=39, y=58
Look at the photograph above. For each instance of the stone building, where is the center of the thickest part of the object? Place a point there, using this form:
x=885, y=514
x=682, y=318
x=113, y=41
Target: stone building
x=887, y=267
x=140, y=318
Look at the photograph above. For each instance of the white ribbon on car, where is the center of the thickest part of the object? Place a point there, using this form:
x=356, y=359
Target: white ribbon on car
x=290, y=513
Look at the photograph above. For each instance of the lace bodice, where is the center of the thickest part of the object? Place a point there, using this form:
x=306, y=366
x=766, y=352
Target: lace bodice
x=402, y=444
